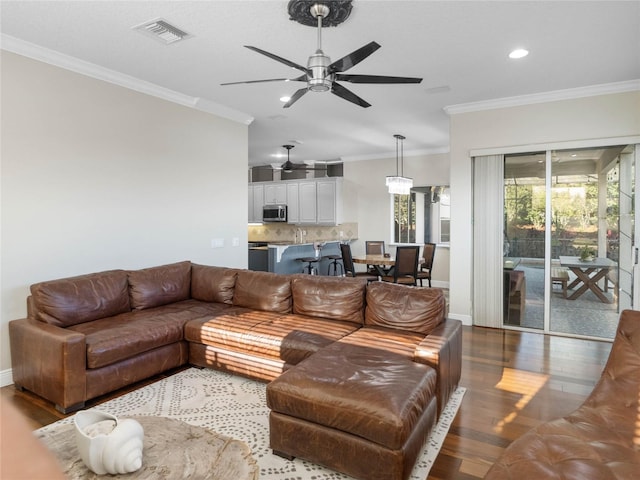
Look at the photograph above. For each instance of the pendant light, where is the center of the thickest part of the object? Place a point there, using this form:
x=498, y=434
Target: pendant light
x=399, y=185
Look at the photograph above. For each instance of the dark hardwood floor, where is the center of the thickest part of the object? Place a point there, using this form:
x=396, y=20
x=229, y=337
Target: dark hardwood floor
x=514, y=381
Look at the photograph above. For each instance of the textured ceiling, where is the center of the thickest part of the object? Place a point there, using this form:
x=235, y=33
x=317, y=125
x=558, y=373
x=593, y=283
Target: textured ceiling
x=459, y=48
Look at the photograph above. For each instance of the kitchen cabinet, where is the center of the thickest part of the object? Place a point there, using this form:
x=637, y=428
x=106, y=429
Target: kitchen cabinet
x=293, y=210
x=275, y=194
x=307, y=202
x=310, y=202
x=329, y=201
x=256, y=202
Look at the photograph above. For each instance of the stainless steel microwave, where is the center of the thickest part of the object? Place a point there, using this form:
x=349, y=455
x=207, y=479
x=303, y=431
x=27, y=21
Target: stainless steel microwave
x=274, y=213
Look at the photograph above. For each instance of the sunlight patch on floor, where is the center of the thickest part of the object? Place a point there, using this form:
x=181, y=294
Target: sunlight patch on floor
x=524, y=383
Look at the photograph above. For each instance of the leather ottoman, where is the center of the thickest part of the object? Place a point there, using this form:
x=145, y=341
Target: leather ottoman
x=357, y=410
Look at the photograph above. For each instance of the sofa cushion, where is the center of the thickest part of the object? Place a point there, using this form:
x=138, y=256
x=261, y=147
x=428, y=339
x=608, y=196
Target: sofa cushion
x=156, y=286
x=337, y=298
x=306, y=335
x=110, y=340
x=213, y=284
x=414, y=309
x=266, y=291
x=84, y=298
x=291, y=338
x=398, y=341
x=237, y=329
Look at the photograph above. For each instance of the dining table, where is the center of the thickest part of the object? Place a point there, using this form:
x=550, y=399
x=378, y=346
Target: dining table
x=383, y=265
x=588, y=273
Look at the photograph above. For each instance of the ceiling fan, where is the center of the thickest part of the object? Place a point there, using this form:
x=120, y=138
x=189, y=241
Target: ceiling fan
x=321, y=75
x=289, y=166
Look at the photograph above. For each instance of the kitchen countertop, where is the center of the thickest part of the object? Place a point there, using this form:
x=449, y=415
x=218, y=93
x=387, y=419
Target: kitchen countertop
x=284, y=257
x=291, y=244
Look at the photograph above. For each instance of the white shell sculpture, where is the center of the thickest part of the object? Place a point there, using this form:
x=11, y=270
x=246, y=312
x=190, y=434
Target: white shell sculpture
x=106, y=444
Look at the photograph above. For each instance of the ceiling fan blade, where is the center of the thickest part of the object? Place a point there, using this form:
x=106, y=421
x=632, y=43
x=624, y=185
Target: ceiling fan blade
x=257, y=81
x=355, y=57
x=278, y=59
x=295, y=97
x=375, y=79
x=301, y=78
x=348, y=95
x=301, y=166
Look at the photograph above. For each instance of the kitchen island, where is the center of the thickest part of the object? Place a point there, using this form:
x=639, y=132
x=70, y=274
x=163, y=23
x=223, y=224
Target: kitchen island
x=284, y=257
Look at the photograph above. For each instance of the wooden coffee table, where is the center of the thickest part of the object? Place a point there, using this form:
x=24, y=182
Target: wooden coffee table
x=172, y=450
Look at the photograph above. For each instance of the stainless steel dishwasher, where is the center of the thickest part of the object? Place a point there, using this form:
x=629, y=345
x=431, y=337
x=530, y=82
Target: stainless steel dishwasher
x=258, y=256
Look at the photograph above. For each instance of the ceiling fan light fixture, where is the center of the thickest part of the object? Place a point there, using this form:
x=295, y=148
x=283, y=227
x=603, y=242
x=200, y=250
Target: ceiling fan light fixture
x=399, y=184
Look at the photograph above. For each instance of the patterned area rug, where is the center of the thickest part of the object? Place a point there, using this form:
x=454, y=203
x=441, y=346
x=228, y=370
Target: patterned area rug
x=236, y=407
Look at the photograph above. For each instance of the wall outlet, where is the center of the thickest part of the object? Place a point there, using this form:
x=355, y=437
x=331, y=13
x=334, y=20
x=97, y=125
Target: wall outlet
x=235, y=242
x=217, y=243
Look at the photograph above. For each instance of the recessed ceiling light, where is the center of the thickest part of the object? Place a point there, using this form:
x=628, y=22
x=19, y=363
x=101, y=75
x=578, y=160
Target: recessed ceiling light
x=519, y=53
x=285, y=99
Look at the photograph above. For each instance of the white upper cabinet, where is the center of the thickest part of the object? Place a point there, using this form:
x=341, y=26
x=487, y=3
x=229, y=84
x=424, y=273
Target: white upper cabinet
x=312, y=201
x=329, y=201
x=307, y=202
x=275, y=194
x=293, y=209
x=256, y=202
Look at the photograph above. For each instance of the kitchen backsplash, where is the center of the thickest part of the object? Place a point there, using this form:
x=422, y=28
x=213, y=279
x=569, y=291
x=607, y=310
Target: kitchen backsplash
x=279, y=232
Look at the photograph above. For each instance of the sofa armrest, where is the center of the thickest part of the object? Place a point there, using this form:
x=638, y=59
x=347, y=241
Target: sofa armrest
x=49, y=361
x=442, y=350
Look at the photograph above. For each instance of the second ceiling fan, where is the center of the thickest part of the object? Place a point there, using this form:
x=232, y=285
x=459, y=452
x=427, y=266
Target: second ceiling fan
x=322, y=75
x=289, y=166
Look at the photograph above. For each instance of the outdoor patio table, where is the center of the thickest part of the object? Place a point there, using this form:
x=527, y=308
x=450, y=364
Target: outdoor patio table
x=588, y=273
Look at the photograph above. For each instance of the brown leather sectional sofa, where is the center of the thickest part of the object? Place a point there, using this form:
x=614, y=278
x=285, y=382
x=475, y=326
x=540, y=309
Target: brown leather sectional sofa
x=601, y=439
x=90, y=335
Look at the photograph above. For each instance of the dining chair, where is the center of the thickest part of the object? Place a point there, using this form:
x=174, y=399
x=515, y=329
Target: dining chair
x=424, y=272
x=405, y=269
x=373, y=247
x=349, y=269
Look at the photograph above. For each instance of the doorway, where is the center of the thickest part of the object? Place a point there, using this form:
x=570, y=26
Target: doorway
x=568, y=236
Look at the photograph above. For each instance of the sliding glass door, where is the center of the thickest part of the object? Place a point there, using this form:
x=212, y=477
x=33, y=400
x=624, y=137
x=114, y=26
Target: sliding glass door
x=524, y=240
x=568, y=239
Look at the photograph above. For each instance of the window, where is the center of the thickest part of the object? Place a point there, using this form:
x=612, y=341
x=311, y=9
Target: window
x=422, y=216
x=404, y=218
x=444, y=216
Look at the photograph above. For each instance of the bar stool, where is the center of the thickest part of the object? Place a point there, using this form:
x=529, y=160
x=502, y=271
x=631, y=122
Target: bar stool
x=311, y=270
x=335, y=264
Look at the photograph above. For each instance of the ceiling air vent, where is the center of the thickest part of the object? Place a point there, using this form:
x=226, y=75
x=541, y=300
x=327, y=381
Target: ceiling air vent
x=162, y=31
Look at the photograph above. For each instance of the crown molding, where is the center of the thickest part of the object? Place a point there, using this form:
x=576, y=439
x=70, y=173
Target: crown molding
x=387, y=155
x=36, y=52
x=553, y=96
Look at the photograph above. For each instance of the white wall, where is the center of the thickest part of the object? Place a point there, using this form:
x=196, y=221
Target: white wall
x=369, y=203
x=603, y=116
x=96, y=177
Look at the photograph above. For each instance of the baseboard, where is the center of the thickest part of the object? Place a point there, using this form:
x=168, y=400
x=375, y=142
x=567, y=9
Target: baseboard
x=465, y=319
x=438, y=284
x=6, y=377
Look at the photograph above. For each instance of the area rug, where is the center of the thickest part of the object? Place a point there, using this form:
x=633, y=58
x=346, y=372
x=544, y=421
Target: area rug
x=236, y=407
